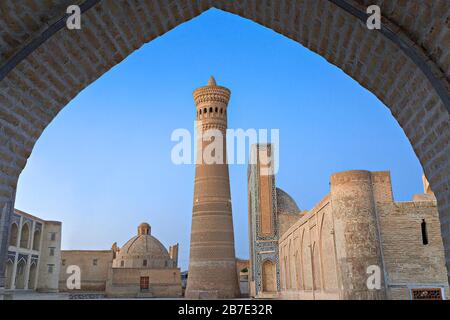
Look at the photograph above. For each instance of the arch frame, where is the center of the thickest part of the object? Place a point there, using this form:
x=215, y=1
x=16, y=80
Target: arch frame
x=426, y=143
x=389, y=30
x=273, y=265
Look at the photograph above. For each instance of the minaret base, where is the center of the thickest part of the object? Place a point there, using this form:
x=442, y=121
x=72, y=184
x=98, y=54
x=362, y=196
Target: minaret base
x=217, y=281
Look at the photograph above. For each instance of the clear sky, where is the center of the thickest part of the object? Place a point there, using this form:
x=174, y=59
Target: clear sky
x=104, y=164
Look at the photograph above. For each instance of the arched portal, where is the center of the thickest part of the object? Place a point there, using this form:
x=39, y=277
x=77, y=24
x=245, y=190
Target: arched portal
x=13, y=236
x=36, y=240
x=25, y=236
x=298, y=268
x=20, y=274
x=328, y=255
x=269, y=282
x=306, y=262
x=9, y=272
x=317, y=282
x=44, y=65
x=32, y=276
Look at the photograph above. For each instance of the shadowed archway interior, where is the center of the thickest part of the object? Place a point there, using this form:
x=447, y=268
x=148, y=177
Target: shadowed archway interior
x=406, y=66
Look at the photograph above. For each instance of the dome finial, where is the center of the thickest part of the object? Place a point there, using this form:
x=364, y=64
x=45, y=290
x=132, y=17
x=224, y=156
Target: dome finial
x=144, y=229
x=212, y=81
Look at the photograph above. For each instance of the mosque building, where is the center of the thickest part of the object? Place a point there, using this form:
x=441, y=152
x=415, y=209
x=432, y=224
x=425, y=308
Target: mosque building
x=142, y=268
x=356, y=243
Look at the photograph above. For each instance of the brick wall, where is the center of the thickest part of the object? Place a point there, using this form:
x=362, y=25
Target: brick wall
x=408, y=262
x=308, y=256
x=346, y=228
x=93, y=277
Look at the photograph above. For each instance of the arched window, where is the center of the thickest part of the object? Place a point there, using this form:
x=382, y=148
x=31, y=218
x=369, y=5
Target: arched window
x=13, y=235
x=288, y=267
x=306, y=262
x=9, y=271
x=210, y=110
x=286, y=273
x=32, y=276
x=20, y=274
x=144, y=263
x=205, y=110
x=200, y=111
x=316, y=268
x=217, y=109
x=298, y=267
x=122, y=263
x=424, y=232
x=221, y=110
x=328, y=262
x=25, y=236
x=36, y=240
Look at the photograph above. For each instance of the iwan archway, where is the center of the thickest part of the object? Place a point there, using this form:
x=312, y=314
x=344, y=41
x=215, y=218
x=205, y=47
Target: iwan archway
x=406, y=64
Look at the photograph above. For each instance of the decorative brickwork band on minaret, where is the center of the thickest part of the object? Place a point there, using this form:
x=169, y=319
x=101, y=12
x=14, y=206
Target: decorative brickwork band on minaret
x=212, y=262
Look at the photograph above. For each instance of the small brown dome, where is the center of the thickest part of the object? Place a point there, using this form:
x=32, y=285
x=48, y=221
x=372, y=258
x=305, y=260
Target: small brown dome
x=144, y=228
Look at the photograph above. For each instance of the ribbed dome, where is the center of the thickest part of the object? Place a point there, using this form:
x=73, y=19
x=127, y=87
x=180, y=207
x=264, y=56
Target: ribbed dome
x=285, y=203
x=144, y=245
x=143, y=250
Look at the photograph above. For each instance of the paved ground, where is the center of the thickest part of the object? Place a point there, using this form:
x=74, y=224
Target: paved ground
x=30, y=295
x=35, y=296
x=26, y=295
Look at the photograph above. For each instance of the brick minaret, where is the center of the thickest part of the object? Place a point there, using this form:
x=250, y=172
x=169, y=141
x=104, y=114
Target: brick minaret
x=212, y=263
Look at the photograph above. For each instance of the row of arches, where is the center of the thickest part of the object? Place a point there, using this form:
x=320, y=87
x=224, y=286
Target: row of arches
x=307, y=257
x=19, y=280
x=24, y=236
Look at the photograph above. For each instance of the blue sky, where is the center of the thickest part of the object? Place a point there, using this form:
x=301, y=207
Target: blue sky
x=103, y=165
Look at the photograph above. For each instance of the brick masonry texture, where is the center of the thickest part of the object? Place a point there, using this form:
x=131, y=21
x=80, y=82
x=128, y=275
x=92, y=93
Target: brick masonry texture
x=326, y=252
x=33, y=93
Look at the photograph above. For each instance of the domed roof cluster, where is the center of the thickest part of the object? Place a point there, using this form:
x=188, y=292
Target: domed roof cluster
x=285, y=203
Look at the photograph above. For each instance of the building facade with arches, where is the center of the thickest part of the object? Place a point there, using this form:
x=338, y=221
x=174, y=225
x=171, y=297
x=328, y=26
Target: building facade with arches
x=356, y=243
x=34, y=251
x=141, y=268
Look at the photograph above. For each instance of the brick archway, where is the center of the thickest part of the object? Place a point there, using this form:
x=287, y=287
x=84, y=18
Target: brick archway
x=406, y=65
